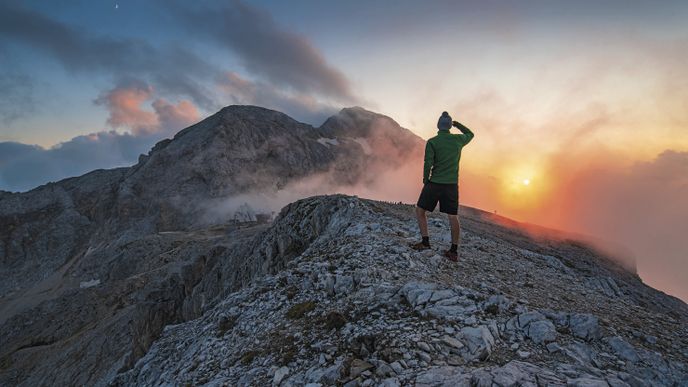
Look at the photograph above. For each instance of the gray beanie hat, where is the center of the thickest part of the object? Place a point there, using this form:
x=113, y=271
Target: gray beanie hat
x=445, y=122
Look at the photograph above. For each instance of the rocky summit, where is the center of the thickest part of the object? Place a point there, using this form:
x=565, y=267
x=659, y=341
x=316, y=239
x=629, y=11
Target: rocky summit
x=357, y=307
x=119, y=277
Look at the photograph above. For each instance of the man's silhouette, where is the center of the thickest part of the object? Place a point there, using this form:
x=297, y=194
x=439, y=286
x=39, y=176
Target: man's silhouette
x=441, y=181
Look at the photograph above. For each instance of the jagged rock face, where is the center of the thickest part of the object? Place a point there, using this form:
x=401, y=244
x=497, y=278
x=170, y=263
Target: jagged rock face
x=44, y=229
x=358, y=307
x=240, y=148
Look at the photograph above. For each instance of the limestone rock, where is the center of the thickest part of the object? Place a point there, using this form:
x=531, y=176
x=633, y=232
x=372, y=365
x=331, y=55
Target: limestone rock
x=585, y=326
x=622, y=349
x=479, y=341
x=542, y=331
x=280, y=374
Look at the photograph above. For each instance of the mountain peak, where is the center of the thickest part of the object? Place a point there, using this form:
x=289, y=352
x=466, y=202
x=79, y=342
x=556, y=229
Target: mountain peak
x=251, y=111
x=359, y=122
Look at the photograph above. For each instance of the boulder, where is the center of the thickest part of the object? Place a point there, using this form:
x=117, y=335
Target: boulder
x=622, y=349
x=526, y=318
x=359, y=366
x=584, y=326
x=280, y=374
x=479, y=342
x=445, y=377
x=542, y=331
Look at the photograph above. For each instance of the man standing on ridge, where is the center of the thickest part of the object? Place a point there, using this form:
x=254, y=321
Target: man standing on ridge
x=441, y=181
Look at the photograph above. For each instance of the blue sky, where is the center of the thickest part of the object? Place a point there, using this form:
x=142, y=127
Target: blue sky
x=402, y=40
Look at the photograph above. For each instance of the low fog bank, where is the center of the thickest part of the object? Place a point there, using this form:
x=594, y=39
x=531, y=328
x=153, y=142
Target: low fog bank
x=387, y=166
x=643, y=207
x=632, y=211
x=637, y=212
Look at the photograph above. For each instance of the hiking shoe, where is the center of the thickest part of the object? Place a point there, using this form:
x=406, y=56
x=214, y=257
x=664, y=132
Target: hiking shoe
x=420, y=246
x=452, y=256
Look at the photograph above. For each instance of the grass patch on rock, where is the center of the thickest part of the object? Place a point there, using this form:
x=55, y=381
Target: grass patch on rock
x=299, y=310
x=226, y=323
x=334, y=320
x=248, y=356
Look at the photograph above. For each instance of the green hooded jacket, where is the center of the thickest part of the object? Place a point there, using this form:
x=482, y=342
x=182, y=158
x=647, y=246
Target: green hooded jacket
x=442, y=155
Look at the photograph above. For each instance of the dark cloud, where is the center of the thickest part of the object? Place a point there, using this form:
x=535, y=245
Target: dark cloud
x=269, y=50
x=300, y=106
x=23, y=167
x=291, y=74
x=173, y=69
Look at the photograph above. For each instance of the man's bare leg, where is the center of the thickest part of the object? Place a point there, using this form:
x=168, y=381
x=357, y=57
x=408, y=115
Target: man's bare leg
x=422, y=221
x=455, y=231
x=423, y=226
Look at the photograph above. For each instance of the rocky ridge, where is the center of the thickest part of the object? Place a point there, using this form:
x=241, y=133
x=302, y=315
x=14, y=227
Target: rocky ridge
x=357, y=307
x=95, y=266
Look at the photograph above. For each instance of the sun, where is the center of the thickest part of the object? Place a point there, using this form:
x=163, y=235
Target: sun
x=524, y=186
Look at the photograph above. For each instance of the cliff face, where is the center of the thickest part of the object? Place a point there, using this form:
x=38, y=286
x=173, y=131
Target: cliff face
x=119, y=276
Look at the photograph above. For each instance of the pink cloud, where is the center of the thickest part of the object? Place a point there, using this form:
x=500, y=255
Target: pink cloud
x=124, y=104
x=127, y=107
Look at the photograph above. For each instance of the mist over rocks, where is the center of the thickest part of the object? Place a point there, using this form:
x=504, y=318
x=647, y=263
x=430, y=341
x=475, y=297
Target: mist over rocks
x=162, y=273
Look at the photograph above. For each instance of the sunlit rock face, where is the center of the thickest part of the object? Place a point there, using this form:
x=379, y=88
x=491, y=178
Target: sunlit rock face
x=139, y=276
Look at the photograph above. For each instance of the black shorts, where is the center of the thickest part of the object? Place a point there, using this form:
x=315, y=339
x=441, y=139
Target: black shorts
x=446, y=194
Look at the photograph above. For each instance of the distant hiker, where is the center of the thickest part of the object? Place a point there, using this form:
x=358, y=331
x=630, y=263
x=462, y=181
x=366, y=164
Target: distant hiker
x=441, y=181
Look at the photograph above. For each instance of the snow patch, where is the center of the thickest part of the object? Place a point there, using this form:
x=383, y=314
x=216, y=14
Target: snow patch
x=89, y=284
x=328, y=141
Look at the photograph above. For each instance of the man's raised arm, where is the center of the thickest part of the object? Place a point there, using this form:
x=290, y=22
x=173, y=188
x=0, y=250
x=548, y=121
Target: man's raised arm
x=467, y=134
